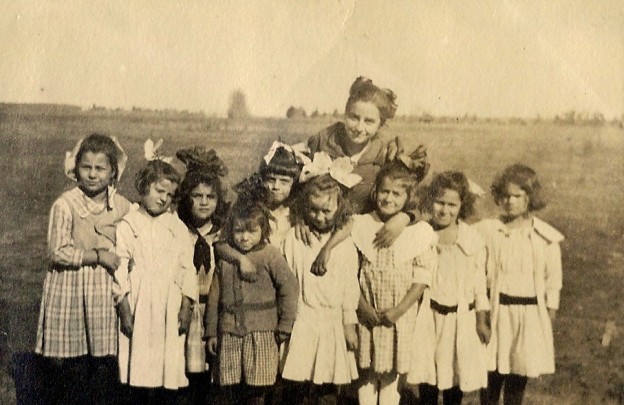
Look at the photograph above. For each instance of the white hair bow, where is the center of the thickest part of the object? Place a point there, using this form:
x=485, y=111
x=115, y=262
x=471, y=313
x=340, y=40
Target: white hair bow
x=70, y=159
x=475, y=189
x=298, y=150
x=340, y=169
x=151, y=151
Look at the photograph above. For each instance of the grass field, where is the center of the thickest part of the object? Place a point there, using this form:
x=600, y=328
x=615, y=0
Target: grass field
x=581, y=168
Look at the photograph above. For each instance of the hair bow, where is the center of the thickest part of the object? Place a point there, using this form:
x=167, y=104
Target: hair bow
x=151, y=151
x=70, y=159
x=475, y=189
x=200, y=159
x=339, y=169
x=298, y=150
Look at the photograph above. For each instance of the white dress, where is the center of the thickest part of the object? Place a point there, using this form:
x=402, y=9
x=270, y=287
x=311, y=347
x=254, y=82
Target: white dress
x=459, y=281
x=156, y=271
x=280, y=225
x=317, y=351
x=523, y=262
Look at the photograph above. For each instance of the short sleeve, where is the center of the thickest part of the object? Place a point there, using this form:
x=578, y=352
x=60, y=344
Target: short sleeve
x=424, y=265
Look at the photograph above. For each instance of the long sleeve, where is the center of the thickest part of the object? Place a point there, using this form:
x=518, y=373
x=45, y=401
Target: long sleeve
x=123, y=249
x=553, y=274
x=211, y=315
x=351, y=284
x=61, y=248
x=482, y=302
x=287, y=292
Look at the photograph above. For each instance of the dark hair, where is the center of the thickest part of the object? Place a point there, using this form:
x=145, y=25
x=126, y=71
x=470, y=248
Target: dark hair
x=395, y=170
x=363, y=89
x=192, y=179
x=154, y=171
x=324, y=184
x=451, y=180
x=282, y=163
x=98, y=143
x=523, y=177
x=250, y=214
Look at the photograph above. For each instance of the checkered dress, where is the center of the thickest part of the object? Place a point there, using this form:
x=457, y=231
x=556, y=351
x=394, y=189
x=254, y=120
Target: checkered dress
x=77, y=314
x=386, y=275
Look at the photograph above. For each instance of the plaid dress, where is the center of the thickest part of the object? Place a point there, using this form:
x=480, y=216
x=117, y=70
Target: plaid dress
x=77, y=315
x=386, y=275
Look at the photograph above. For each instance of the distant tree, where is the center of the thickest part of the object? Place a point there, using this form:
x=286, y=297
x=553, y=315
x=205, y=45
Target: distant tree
x=295, y=112
x=238, y=105
x=315, y=113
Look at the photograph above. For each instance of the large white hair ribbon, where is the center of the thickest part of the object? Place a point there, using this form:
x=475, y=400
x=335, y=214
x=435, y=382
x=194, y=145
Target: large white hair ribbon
x=298, y=150
x=340, y=169
x=151, y=151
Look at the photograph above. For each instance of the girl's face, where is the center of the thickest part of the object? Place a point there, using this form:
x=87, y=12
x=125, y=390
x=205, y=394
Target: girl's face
x=246, y=237
x=158, y=197
x=279, y=187
x=391, y=197
x=203, y=202
x=446, y=208
x=362, y=121
x=321, y=211
x=94, y=173
x=514, y=201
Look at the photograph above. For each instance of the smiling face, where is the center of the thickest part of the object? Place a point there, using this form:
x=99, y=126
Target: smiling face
x=514, y=201
x=158, y=197
x=391, y=196
x=321, y=210
x=94, y=173
x=446, y=208
x=279, y=187
x=203, y=202
x=246, y=235
x=362, y=121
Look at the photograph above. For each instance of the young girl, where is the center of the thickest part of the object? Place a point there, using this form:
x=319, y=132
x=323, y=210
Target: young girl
x=524, y=278
x=392, y=280
x=457, y=298
x=320, y=351
x=246, y=321
x=360, y=140
x=272, y=186
x=77, y=324
x=156, y=289
x=203, y=209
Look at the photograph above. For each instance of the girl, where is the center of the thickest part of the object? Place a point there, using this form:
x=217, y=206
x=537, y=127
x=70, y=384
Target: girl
x=272, y=186
x=524, y=277
x=458, y=333
x=320, y=351
x=203, y=209
x=156, y=289
x=77, y=330
x=359, y=138
x=392, y=280
x=246, y=321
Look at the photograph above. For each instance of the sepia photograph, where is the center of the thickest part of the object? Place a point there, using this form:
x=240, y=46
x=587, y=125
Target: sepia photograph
x=325, y=202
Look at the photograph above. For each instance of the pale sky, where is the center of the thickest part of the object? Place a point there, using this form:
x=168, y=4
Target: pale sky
x=502, y=58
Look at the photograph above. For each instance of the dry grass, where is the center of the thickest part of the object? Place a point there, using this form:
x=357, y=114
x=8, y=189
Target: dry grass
x=581, y=169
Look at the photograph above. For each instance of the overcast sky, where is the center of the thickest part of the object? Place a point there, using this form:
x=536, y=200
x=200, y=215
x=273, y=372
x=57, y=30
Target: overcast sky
x=502, y=58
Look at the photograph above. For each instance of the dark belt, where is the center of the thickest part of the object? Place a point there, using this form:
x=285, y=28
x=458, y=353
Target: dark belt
x=505, y=299
x=251, y=306
x=445, y=309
